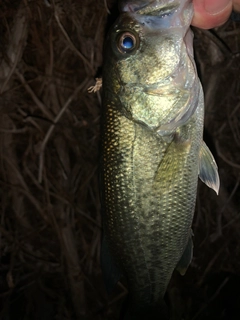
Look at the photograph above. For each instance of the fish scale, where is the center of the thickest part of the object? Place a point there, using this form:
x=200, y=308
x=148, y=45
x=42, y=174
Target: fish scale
x=137, y=192
x=149, y=174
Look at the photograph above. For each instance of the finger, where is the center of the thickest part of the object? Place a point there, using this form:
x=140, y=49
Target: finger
x=211, y=13
x=236, y=6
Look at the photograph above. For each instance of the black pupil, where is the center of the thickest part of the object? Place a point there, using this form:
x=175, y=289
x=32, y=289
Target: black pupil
x=128, y=43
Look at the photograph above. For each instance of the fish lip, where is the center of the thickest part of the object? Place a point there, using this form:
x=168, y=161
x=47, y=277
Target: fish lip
x=147, y=7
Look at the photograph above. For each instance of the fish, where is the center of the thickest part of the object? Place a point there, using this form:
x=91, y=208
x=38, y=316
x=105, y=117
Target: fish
x=152, y=151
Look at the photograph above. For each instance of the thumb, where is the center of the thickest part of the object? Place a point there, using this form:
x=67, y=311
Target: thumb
x=211, y=13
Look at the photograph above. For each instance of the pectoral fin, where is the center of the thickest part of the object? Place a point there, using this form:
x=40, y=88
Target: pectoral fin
x=186, y=258
x=111, y=273
x=208, y=171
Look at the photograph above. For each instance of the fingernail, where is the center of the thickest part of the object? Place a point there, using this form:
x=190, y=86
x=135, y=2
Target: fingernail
x=216, y=6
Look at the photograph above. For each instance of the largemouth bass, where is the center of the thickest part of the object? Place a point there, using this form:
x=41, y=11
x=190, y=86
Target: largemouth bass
x=152, y=150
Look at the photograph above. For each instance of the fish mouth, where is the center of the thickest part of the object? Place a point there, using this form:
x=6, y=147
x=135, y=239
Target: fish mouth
x=146, y=7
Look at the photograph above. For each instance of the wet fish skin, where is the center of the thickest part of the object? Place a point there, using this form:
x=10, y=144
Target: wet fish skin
x=151, y=148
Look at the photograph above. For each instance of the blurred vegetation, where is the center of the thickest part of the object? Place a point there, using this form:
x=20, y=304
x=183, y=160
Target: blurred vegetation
x=50, y=229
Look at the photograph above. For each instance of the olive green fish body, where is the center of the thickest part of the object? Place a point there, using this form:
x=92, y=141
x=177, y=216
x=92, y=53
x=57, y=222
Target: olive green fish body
x=150, y=189
x=151, y=140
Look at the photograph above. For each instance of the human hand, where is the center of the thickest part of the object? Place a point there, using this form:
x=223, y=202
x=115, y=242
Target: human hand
x=213, y=13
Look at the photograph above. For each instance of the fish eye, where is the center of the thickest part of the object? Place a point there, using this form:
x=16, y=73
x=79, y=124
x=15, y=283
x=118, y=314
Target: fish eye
x=127, y=42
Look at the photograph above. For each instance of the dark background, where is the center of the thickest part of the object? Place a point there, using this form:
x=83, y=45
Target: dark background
x=50, y=223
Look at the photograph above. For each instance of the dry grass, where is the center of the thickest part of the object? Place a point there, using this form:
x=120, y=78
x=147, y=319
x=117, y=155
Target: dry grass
x=50, y=229
x=50, y=221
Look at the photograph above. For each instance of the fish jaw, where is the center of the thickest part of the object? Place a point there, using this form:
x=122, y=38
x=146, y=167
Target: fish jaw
x=147, y=6
x=133, y=6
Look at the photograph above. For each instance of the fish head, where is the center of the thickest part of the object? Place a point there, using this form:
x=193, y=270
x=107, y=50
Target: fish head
x=149, y=65
x=144, y=50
